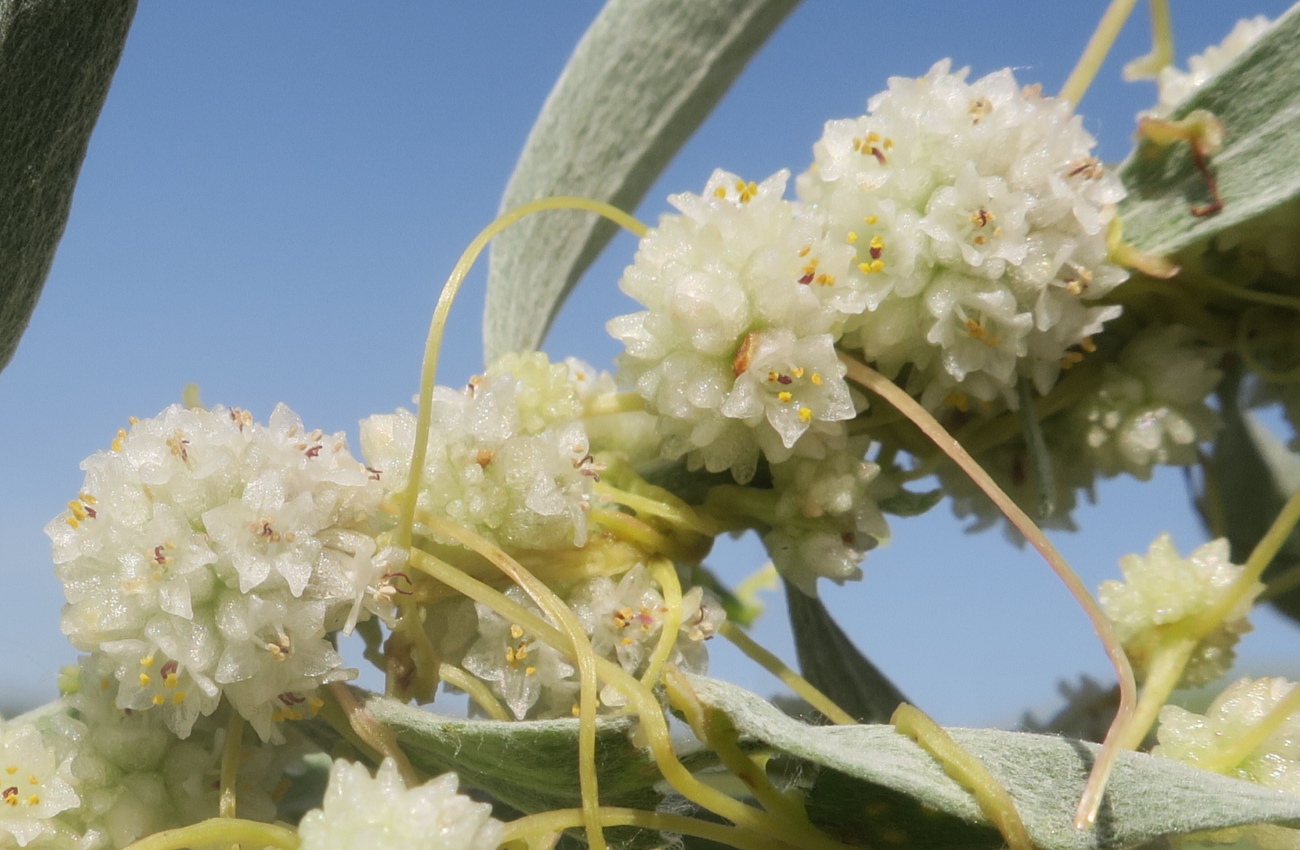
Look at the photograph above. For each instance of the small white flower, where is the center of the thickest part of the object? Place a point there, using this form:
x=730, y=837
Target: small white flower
x=523, y=671
x=381, y=813
x=1161, y=590
x=1150, y=408
x=36, y=785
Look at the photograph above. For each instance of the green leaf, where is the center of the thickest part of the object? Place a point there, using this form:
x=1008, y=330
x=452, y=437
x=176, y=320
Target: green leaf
x=870, y=784
x=1257, y=98
x=906, y=503
x=829, y=660
x=56, y=61
x=642, y=79
x=1251, y=474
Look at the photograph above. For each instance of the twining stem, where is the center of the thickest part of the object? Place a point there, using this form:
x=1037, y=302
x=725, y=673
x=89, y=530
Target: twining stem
x=433, y=344
x=1090, y=803
x=220, y=831
x=1098, y=47
x=231, y=752
x=475, y=687
x=792, y=680
x=376, y=735
x=550, y=823
x=1240, y=748
x=1164, y=672
x=641, y=699
x=717, y=731
x=1162, y=45
x=663, y=572
x=968, y=771
x=676, y=514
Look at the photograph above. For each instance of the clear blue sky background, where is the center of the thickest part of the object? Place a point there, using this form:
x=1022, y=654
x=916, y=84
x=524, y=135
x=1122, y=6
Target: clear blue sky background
x=275, y=192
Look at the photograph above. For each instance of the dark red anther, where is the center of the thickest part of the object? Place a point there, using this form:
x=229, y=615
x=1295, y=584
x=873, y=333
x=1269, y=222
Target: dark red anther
x=806, y=279
x=784, y=379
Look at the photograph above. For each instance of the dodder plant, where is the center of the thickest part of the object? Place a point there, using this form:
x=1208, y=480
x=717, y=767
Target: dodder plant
x=957, y=287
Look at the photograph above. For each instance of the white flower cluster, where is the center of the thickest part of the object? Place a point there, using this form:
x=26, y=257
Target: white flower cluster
x=979, y=218
x=1275, y=763
x=1150, y=408
x=381, y=813
x=36, y=785
x=508, y=456
x=826, y=519
x=735, y=351
x=1162, y=590
x=1175, y=86
x=207, y=554
x=623, y=617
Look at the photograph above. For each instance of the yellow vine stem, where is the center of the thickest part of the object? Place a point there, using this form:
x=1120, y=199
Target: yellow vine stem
x=632, y=530
x=231, y=751
x=574, y=636
x=968, y=771
x=548, y=824
x=1162, y=45
x=1098, y=46
x=663, y=572
x=429, y=369
x=475, y=687
x=642, y=701
x=1238, y=750
x=792, y=680
x=1090, y=803
x=716, y=730
x=219, y=832
x=374, y=734
x=678, y=513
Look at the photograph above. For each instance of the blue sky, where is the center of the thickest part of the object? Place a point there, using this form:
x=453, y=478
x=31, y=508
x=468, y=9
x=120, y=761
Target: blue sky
x=275, y=192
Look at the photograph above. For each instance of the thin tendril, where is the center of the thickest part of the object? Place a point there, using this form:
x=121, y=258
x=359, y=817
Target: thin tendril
x=550, y=823
x=376, y=735
x=475, y=687
x=663, y=572
x=218, y=831
x=680, y=515
x=792, y=680
x=1090, y=803
x=230, y=755
x=429, y=370
x=1098, y=46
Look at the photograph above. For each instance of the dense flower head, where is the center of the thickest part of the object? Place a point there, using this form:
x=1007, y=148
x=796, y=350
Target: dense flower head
x=361, y=812
x=1162, y=590
x=744, y=298
x=1176, y=85
x=1275, y=763
x=826, y=518
x=978, y=216
x=507, y=458
x=36, y=785
x=208, y=554
x=1150, y=407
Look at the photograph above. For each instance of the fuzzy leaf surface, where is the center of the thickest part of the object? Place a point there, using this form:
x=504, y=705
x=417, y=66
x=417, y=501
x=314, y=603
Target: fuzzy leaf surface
x=1257, y=98
x=56, y=62
x=870, y=784
x=642, y=79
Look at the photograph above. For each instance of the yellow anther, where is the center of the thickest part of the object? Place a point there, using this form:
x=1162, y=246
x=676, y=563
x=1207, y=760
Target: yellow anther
x=826, y=279
x=516, y=631
x=11, y=769
x=171, y=680
x=1070, y=359
x=178, y=697
x=816, y=379
x=158, y=699
x=146, y=661
x=852, y=237
x=33, y=800
x=784, y=396
x=32, y=779
x=1087, y=344
x=975, y=329
x=720, y=192
x=528, y=671
x=871, y=219
x=803, y=252
x=772, y=376
x=805, y=414
x=145, y=680
x=627, y=641
x=87, y=498
x=797, y=371
x=876, y=243
x=315, y=703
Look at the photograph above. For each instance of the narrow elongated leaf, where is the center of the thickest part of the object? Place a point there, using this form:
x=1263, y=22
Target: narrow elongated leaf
x=871, y=784
x=56, y=61
x=829, y=660
x=1251, y=475
x=1258, y=100
x=642, y=79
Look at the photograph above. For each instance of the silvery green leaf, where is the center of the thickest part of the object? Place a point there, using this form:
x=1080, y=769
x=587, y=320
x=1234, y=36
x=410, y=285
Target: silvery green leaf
x=642, y=79
x=1257, y=97
x=56, y=61
x=873, y=785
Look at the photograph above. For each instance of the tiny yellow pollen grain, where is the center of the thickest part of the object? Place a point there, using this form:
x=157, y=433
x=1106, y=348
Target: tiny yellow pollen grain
x=146, y=661
x=158, y=699
x=877, y=265
x=720, y=192
x=529, y=671
x=871, y=219
x=797, y=371
x=34, y=800
x=865, y=268
x=178, y=698
x=171, y=680
x=11, y=769
x=877, y=243
x=816, y=379
x=805, y=414
x=803, y=252
x=852, y=237
x=627, y=641
x=826, y=279
x=784, y=396
x=145, y=680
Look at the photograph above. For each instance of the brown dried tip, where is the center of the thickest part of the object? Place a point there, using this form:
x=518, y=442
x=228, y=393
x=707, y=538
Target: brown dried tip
x=744, y=354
